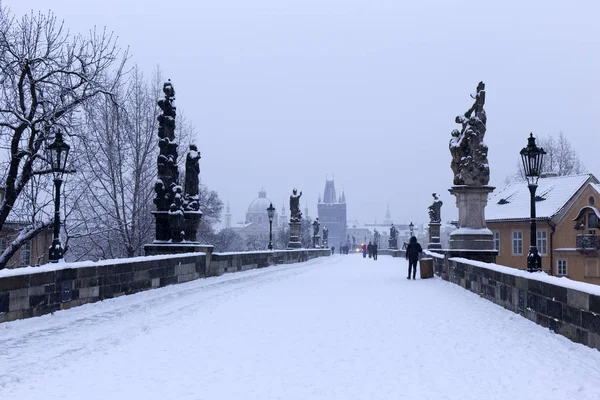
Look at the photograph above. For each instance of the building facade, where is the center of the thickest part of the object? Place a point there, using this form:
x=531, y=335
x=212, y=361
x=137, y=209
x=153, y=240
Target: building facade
x=332, y=213
x=33, y=252
x=567, y=225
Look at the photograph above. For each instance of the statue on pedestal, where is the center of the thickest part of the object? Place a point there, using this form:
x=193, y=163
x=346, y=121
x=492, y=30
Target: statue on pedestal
x=325, y=235
x=192, y=179
x=295, y=213
x=435, y=210
x=469, y=152
x=316, y=227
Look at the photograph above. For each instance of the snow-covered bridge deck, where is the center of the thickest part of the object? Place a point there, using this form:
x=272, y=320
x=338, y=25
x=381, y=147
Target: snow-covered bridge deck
x=341, y=327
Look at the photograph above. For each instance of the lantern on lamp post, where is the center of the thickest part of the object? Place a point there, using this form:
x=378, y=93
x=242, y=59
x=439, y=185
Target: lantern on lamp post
x=533, y=158
x=411, y=226
x=271, y=214
x=58, y=153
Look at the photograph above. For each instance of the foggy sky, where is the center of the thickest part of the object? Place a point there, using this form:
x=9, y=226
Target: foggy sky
x=283, y=92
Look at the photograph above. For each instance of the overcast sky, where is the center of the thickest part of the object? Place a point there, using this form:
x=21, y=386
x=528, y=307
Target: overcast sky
x=283, y=92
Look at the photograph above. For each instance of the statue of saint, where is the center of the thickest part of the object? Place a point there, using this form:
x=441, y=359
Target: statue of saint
x=316, y=227
x=435, y=210
x=393, y=232
x=192, y=171
x=325, y=234
x=469, y=152
x=295, y=213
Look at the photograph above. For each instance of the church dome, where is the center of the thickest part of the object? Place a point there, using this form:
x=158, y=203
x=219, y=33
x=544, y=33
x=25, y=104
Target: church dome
x=257, y=210
x=259, y=204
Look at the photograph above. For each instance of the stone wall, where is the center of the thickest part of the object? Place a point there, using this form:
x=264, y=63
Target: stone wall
x=566, y=307
x=33, y=291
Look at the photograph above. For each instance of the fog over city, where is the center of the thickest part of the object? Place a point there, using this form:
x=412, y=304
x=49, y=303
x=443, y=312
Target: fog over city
x=282, y=93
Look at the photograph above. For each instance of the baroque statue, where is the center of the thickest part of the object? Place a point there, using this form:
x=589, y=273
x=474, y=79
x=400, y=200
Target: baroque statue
x=393, y=232
x=325, y=234
x=316, y=227
x=295, y=213
x=469, y=152
x=435, y=210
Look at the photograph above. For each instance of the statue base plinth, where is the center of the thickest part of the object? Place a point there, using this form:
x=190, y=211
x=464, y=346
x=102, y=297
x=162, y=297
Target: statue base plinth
x=154, y=249
x=295, y=229
x=434, y=235
x=473, y=239
x=317, y=242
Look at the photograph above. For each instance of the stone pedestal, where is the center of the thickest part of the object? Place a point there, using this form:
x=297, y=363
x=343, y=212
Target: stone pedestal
x=473, y=239
x=176, y=248
x=191, y=224
x=161, y=219
x=393, y=244
x=434, y=236
x=295, y=242
x=317, y=242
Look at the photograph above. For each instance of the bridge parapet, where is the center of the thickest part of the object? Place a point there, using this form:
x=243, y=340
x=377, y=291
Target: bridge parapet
x=566, y=307
x=34, y=291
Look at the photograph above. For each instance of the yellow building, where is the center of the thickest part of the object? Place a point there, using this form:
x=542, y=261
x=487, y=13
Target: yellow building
x=567, y=225
x=33, y=252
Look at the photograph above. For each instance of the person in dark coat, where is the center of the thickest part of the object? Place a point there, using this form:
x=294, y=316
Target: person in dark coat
x=332, y=250
x=364, y=250
x=370, y=249
x=374, y=251
x=413, y=251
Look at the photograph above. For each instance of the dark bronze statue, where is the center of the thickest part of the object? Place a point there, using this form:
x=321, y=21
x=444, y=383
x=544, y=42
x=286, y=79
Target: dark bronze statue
x=469, y=152
x=325, y=234
x=316, y=227
x=295, y=213
x=435, y=210
x=192, y=171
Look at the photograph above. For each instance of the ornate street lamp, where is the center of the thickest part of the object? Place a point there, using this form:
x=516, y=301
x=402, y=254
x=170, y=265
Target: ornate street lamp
x=411, y=226
x=58, y=152
x=533, y=158
x=271, y=213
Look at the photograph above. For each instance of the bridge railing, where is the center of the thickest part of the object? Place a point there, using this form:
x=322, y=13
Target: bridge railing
x=564, y=306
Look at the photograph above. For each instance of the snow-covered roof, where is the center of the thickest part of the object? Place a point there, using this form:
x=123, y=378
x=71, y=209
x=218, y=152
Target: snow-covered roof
x=513, y=201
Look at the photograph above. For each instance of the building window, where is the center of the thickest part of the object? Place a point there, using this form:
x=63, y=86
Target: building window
x=517, y=243
x=591, y=200
x=592, y=221
x=561, y=267
x=542, y=242
x=497, y=241
x=26, y=254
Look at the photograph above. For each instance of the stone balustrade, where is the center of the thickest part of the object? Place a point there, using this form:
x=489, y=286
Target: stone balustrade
x=34, y=291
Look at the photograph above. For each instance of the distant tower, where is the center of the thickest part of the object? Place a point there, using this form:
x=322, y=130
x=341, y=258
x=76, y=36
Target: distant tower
x=283, y=219
x=388, y=217
x=332, y=212
x=228, y=216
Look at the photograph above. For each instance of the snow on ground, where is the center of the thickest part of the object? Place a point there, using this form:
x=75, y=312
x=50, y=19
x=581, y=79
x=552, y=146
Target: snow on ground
x=341, y=327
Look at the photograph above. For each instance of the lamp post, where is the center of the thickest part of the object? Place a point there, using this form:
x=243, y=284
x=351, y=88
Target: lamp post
x=58, y=152
x=271, y=213
x=411, y=226
x=533, y=157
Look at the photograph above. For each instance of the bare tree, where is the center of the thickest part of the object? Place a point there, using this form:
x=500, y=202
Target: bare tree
x=117, y=161
x=47, y=75
x=228, y=240
x=560, y=159
x=256, y=242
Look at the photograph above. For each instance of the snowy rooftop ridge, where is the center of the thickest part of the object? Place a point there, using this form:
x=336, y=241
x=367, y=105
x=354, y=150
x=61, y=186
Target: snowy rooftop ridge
x=512, y=201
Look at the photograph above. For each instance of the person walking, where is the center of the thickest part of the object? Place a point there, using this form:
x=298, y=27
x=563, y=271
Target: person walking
x=413, y=251
x=375, y=251
x=370, y=249
x=364, y=250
